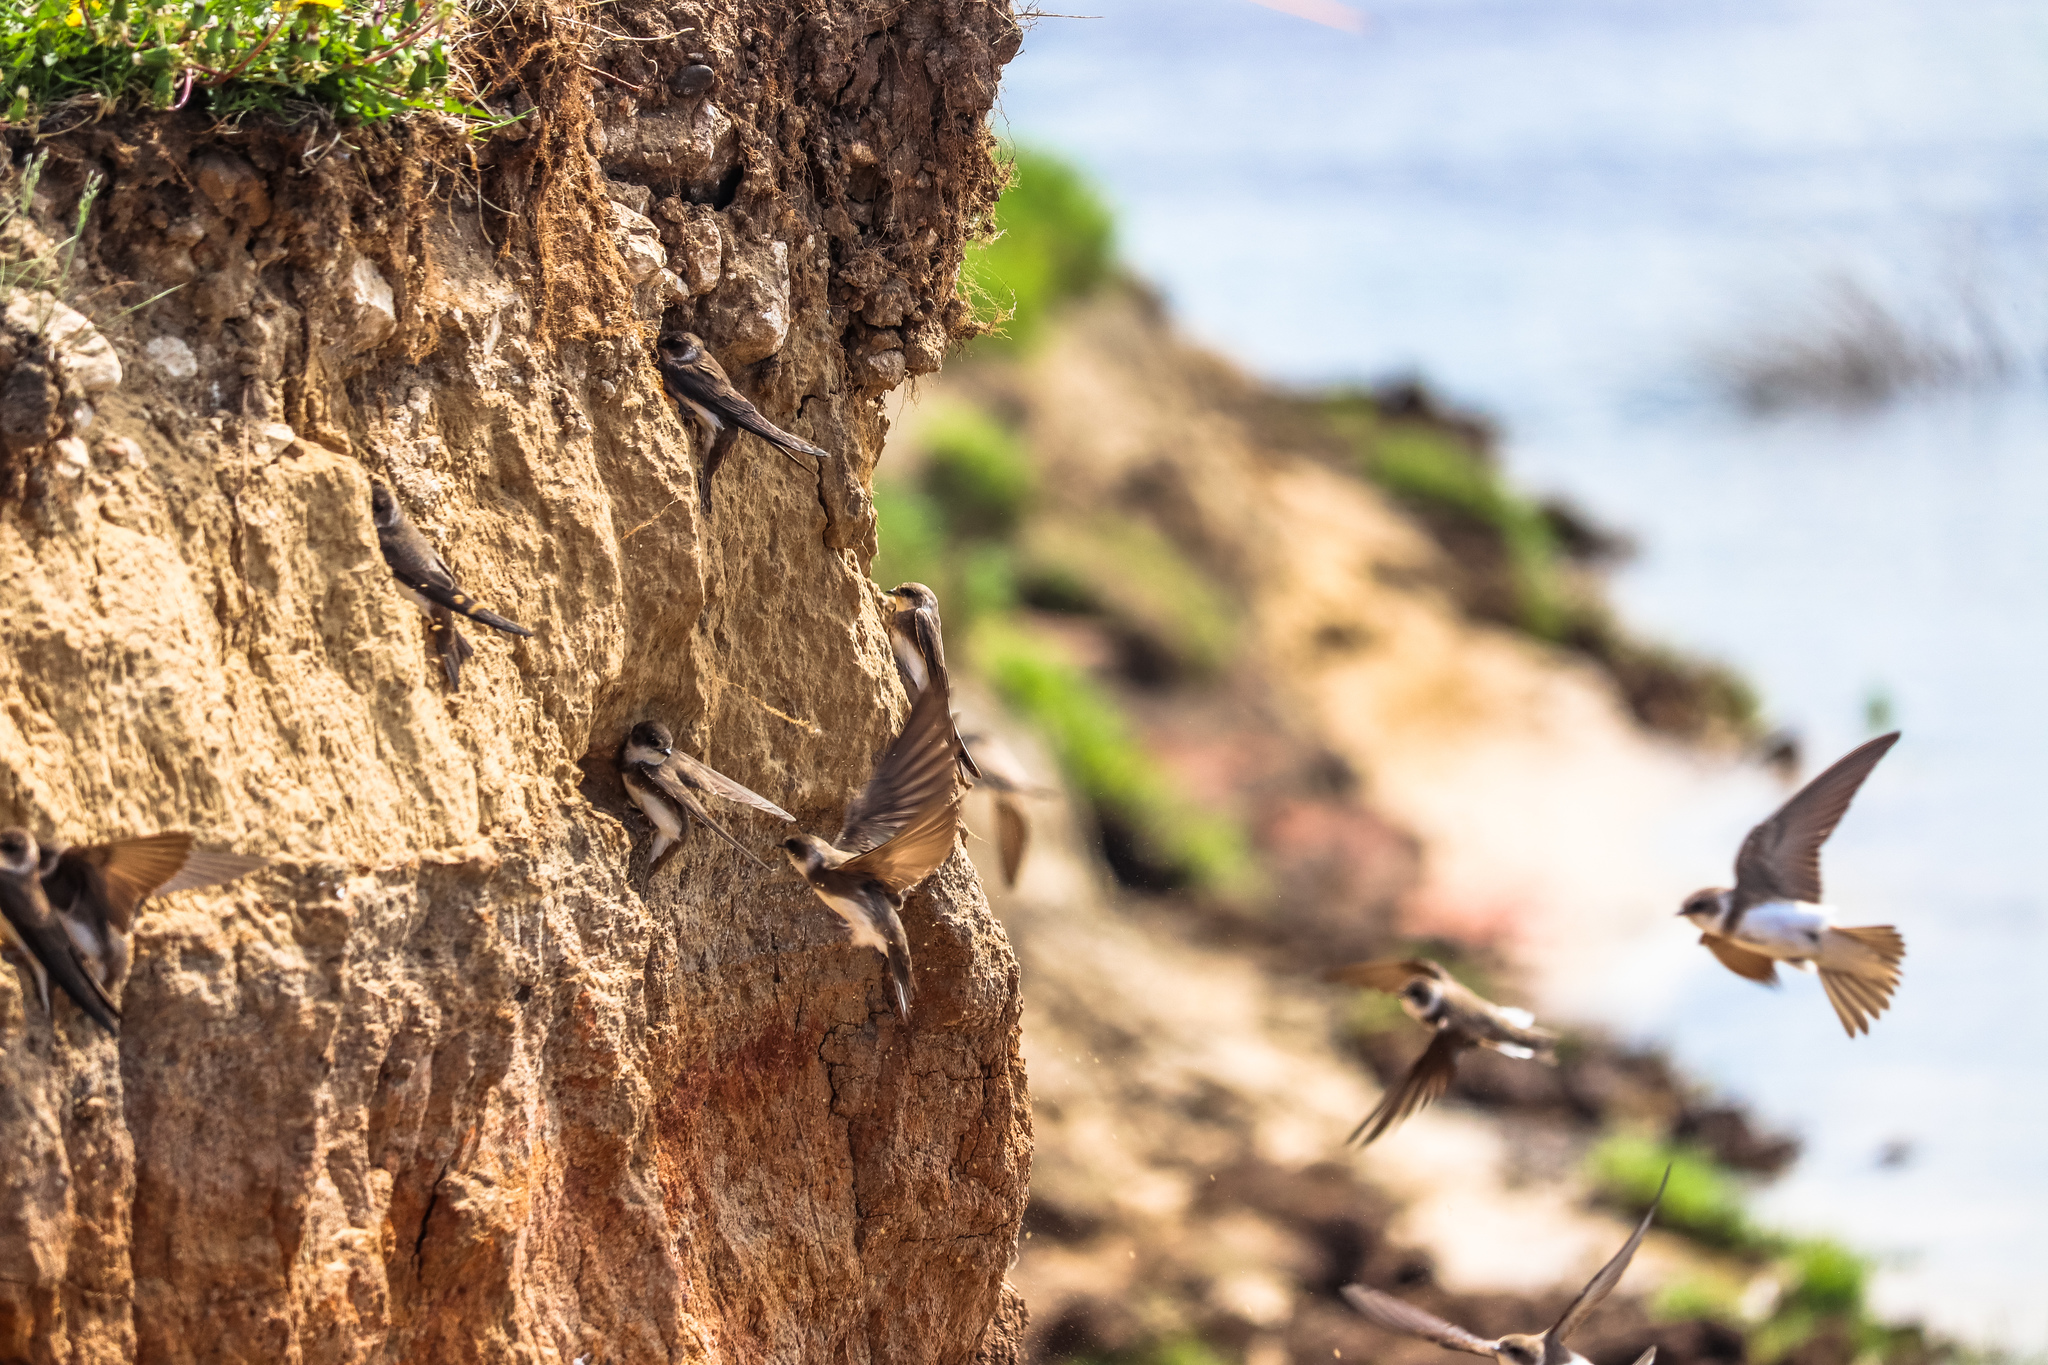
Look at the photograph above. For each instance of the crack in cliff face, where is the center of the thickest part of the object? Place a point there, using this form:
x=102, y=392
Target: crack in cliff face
x=455, y=1006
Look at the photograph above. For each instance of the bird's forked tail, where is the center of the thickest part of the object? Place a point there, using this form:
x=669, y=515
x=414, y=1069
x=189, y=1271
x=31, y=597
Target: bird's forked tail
x=1859, y=969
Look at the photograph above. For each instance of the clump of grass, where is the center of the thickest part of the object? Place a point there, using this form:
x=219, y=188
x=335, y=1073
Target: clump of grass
x=1108, y=764
x=360, y=59
x=1703, y=1200
x=25, y=262
x=978, y=471
x=1434, y=471
x=1055, y=241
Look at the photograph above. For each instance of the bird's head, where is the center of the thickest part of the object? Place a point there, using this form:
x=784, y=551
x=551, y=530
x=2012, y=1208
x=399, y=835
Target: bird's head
x=1519, y=1348
x=1702, y=908
x=915, y=596
x=650, y=742
x=383, y=507
x=1423, y=999
x=806, y=852
x=680, y=348
x=18, y=853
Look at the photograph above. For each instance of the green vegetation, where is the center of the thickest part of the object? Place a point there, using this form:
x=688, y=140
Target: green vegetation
x=361, y=59
x=37, y=267
x=1055, y=241
x=1703, y=1200
x=1106, y=761
x=1176, y=1351
x=978, y=471
x=1128, y=571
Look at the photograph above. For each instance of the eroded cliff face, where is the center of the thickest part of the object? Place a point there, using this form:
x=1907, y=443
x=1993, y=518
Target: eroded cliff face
x=456, y=1079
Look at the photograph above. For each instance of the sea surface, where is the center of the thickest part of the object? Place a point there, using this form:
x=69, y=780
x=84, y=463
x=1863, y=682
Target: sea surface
x=1559, y=211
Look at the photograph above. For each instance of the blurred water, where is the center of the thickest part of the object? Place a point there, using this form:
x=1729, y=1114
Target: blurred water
x=1551, y=207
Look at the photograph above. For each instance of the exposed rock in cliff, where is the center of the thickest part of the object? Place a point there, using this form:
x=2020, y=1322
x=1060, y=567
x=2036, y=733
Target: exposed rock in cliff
x=456, y=1079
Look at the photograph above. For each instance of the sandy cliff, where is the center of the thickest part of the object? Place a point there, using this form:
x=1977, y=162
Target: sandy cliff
x=456, y=1079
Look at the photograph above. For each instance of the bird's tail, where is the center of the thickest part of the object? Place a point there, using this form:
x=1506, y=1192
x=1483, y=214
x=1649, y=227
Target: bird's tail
x=495, y=621
x=1859, y=969
x=899, y=965
x=449, y=642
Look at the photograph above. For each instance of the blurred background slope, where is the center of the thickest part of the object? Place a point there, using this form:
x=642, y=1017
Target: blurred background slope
x=1750, y=297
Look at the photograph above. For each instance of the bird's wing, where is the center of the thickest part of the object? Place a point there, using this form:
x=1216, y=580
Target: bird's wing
x=443, y=592
x=707, y=779
x=125, y=870
x=918, y=769
x=1394, y=1315
x=1603, y=1283
x=745, y=414
x=1013, y=835
x=1425, y=1082
x=1000, y=766
x=1781, y=856
x=205, y=868
x=1741, y=960
x=915, y=851
x=930, y=635
x=680, y=793
x=1386, y=974
x=36, y=928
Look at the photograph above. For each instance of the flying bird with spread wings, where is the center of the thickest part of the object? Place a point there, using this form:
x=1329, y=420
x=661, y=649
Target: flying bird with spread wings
x=1774, y=913
x=1462, y=1018
x=1517, y=1348
x=897, y=831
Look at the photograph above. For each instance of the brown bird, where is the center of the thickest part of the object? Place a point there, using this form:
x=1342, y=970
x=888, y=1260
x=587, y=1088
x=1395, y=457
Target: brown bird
x=897, y=831
x=666, y=785
x=918, y=640
x=97, y=888
x=1394, y=1315
x=1773, y=914
x=430, y=583
x=1003, y=774
x=698, y=384
x=1462, y=1019
x=34, y=931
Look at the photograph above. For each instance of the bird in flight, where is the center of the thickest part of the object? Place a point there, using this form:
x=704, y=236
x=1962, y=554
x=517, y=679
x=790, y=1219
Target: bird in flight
x=897, y=831
x=1517, y=1348
x=1462, y=1019
x=1774, y=913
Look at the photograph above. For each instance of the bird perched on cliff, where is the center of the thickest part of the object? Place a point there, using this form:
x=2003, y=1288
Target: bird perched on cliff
x=666, y=785
x=897, y=831
x=428, y=581
x=917, y=639
x=1004, y=775
x=35, y=932
x=1394, y=1315
x=1773, y=914
x=1462, y=1019
x=698, y=385
x=97, y=888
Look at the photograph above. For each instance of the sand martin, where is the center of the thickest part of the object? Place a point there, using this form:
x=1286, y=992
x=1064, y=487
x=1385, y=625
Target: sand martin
x=1393, y=1315
x=429, y=583
x=1461, y=1019
x=897, y=832
x=1774, y=913
x=97, y=888
x=34, y=931
x=699, y=386
x=918, y=640
x=1003, y=774
x=666, y=785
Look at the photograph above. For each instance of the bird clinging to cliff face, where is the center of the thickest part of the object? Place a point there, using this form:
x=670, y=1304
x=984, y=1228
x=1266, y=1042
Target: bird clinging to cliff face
x=666, y=786
x=429, y=583
x=1774, y=913
x=1394, y=1315
x=35, y=932
x=698, y=384
x=1461, y=1018
x=917, y=639
x=97, y=888
x=896, y=833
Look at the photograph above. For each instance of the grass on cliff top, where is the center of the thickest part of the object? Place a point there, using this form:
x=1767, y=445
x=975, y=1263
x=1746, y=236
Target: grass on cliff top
x=1055, y=241
x=361, y=59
